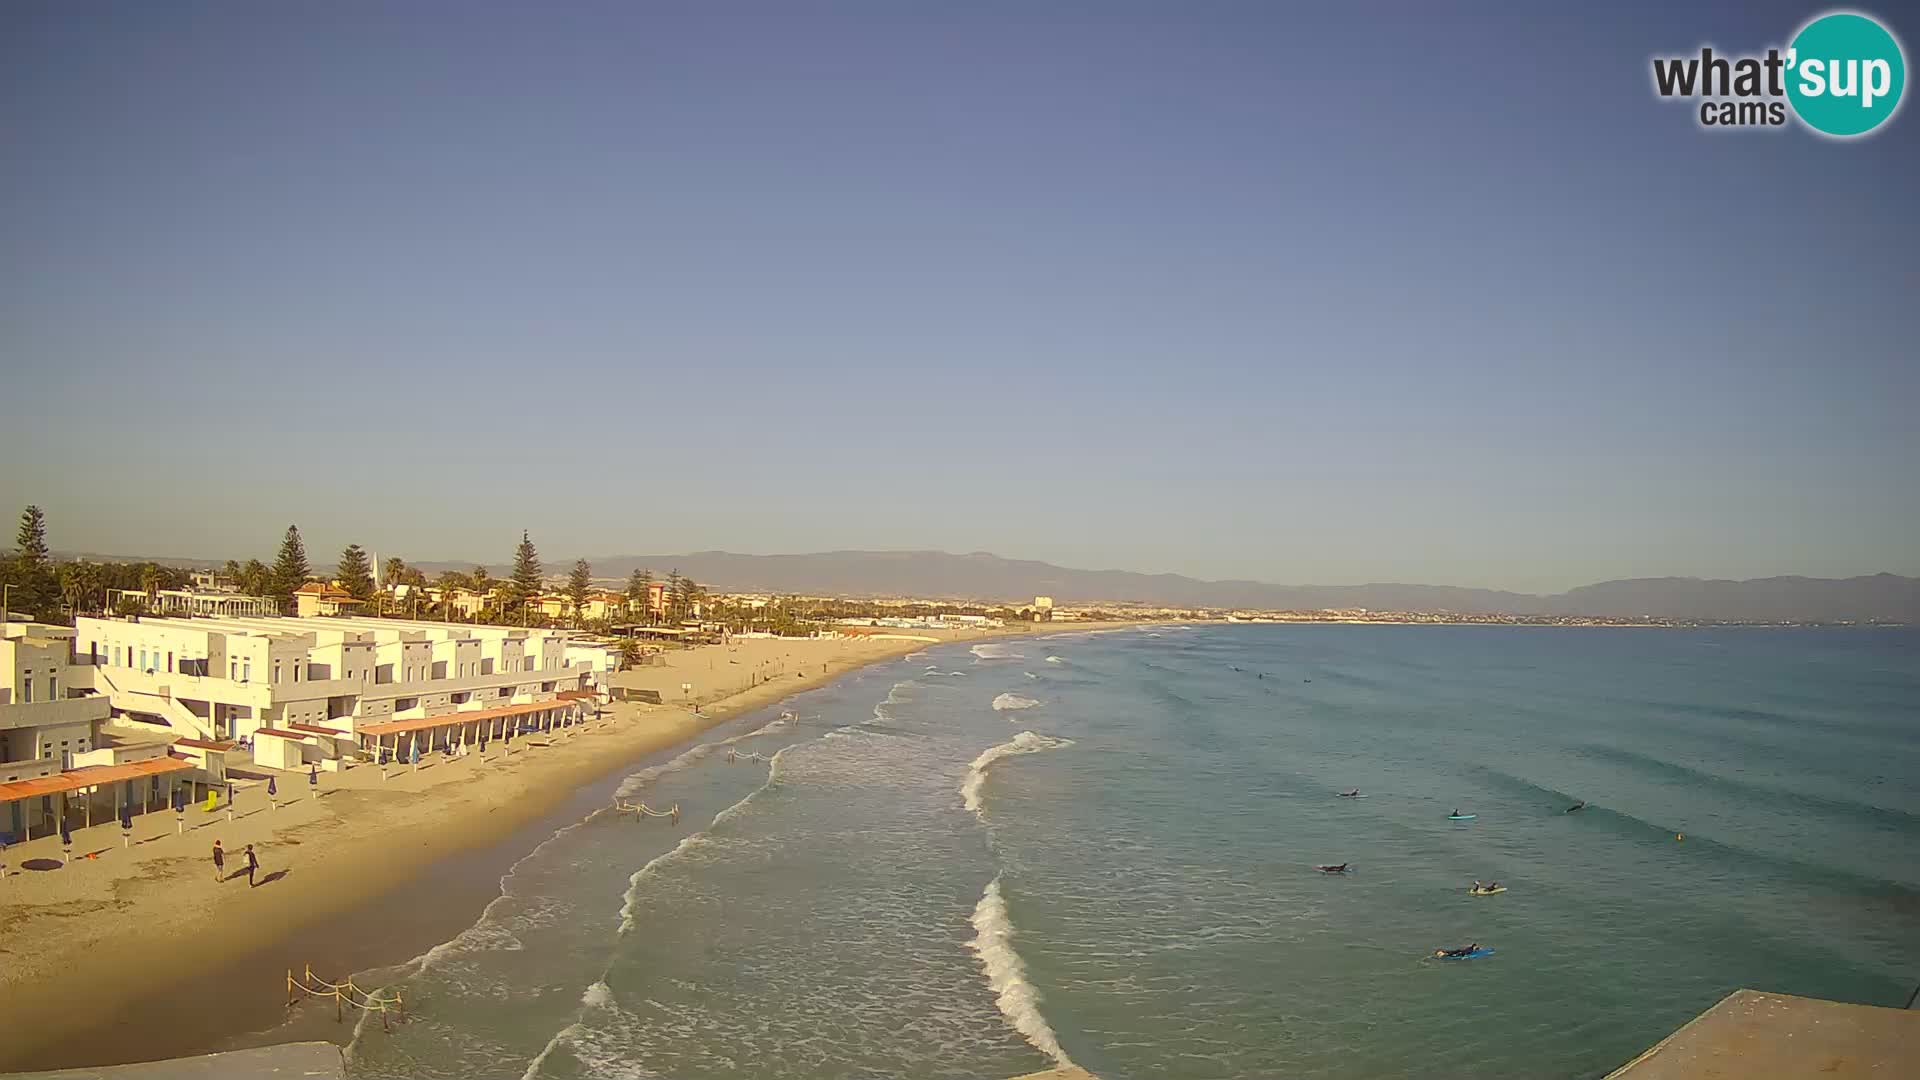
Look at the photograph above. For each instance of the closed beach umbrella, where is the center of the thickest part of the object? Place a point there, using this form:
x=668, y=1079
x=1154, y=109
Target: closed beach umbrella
x=66, y=834
x=416, y=752
x=179, y=800
x=313, y=775
x=272, y=788
x=126, y=817
x=229, y=793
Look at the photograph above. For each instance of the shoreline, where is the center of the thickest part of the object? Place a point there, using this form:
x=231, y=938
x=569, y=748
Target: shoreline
x=140, y=955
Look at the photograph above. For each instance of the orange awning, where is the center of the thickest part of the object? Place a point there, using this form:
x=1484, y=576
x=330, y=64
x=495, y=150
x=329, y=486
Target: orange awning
x=401, y=727
x=91, y=776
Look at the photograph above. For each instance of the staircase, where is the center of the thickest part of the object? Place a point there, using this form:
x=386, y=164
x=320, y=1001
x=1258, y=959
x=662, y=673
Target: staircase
x=182, y=720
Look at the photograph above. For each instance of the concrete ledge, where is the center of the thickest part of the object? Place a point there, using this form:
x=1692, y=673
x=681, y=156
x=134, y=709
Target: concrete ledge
x=1074, y=1073
x=1754, y=1036
x=317, y=1060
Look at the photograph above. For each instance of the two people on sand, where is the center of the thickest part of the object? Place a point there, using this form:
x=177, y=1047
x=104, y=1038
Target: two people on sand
x=220, y=863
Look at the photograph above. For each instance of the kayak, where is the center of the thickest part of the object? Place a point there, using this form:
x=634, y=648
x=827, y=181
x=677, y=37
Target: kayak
x=1474, y=955
x=1487, y=892
x=1461, y=817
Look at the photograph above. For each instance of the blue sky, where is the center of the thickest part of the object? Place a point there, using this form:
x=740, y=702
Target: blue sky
x=1234, y=290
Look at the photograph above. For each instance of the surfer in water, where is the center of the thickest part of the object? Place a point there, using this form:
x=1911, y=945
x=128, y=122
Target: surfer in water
x=1341, y=869
x=1463, y=951
x=1581, y=805
x=1354, y=794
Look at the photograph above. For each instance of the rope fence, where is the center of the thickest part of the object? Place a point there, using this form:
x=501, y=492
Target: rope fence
x=735, y=755
x=345, y=994
x=647, y=811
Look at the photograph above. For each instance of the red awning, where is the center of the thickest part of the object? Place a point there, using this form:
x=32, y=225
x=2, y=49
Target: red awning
x=91, y=776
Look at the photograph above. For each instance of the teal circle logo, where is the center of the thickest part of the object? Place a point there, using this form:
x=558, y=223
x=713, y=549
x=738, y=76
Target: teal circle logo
x=1845, y=74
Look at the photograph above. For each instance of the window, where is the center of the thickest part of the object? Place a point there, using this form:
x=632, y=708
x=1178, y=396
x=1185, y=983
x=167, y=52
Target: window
x=53, y=688
x=169, y=659
x=276, y=671
x=233, y=669
x=246, y=671
x=26, y=687
x=143, y=659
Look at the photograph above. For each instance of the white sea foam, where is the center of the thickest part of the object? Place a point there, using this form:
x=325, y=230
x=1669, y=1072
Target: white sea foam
x=1027, y=742
x=993, y=650
x=1029, y=674
x=597, y=996
x=1018, y=999
x=634, y=784
x=1055, y=660
x=1009, y=702
x=630, y=901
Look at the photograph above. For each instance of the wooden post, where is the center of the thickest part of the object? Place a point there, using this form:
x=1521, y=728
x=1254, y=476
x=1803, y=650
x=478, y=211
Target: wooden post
x=289, y=988
x=339, y=1010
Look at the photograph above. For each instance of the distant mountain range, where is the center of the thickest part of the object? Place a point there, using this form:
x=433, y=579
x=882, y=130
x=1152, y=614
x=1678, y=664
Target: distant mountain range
x=981, y=576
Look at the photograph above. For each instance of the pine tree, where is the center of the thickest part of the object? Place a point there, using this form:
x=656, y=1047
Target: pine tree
x=578, y=584
x=673, y=596
x=35, y=589
x=637, y=583
x=290, y=569
x=355, y=573
x=526, y=572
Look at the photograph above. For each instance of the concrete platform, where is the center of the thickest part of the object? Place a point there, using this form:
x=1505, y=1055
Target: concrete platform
x=1756, y=1036
x=289, y=1061
x=1074, y=1073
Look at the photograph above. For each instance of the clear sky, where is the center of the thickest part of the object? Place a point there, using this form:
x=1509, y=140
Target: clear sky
x=1227, y=289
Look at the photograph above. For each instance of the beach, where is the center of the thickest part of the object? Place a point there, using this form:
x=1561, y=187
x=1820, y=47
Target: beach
x=362, y=871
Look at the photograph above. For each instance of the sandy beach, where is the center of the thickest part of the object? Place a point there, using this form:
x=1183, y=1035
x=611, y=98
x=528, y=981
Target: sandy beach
x=144, y=943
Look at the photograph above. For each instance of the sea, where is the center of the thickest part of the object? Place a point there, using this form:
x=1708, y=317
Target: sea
x=1101, y=849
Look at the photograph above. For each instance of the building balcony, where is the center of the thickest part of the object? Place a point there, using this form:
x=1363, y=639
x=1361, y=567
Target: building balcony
x=79, y=710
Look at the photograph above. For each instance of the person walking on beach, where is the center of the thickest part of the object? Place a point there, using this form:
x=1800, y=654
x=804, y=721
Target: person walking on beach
x=219, y=862
x=253, y=864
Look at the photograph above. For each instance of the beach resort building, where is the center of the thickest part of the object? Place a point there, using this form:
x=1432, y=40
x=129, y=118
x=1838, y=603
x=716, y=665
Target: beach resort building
x=314, y=680
x=56, y=765
x=47, y=711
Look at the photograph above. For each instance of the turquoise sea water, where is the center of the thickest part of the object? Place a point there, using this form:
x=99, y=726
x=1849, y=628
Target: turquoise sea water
x=1100, y=848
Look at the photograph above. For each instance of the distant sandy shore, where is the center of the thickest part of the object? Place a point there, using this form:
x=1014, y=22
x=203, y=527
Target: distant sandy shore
x=88, y=950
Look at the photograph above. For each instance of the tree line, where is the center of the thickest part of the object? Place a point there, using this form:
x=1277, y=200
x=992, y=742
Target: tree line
x=49, y=591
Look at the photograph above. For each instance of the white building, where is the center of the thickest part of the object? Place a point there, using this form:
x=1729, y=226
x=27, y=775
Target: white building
x=47, y=712
x=54, y=763
x=227, y=678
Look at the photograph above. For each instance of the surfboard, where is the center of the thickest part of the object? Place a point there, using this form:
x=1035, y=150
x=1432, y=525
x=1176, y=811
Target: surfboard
x=1461, y=817
x=1474, y=955
x=1487, y=892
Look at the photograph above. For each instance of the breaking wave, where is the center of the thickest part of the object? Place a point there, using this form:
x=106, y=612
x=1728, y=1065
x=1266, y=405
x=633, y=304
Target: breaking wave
x=1055, y=660
x=993, y=650
x=1027, y=742
x=1018, y=999
x=1006, y=702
